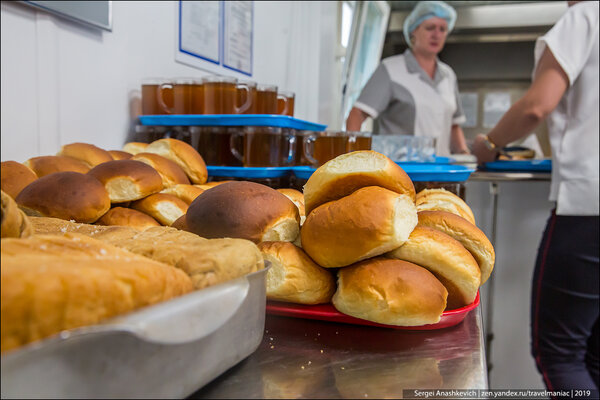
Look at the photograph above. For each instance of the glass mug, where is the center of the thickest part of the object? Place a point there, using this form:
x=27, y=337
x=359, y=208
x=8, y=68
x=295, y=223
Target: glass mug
x=265, y=146
x=152, y=90
x=285, y=107
x=220, y=95
x=253, y=96
x=183, y=89
x=267, y=99
x=214, y=143
x=362, y=141
x=320, y=147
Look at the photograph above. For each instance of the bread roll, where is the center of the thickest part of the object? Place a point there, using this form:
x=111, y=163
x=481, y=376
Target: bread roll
x=443, y=200
x=207, y=262
x=296, y=197
x=212, y=184
x=65, y=195
x=180, y=224
x=52, y=283
x=294, y=277
x=187, y=193
x=88, y=153
x=121, y=216
x=47, y=165
x=170, y=172
x=447, y=259
x=390, y=292
x=14, y=221
x=351, y=171
x=165, y=208
x=120, y=155
x=184, y=155
x=14, y=177
x=134, y=147
x=245, y=210
x=471, y=237
x=127, y=180
x=367, y=223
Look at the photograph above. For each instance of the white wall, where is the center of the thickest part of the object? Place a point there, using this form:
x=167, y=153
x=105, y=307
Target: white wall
x=64, y=82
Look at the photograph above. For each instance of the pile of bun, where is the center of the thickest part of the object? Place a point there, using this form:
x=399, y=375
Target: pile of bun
x=86, y=236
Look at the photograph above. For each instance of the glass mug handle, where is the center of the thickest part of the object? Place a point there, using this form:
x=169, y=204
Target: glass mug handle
x=285, y=103
x=233, y=147
x=246, y=105
x=292, y=148
x=309, y=148
x=159, y=97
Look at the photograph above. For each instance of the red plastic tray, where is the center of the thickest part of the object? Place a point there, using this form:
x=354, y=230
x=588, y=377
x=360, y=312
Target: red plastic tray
x=326, y=312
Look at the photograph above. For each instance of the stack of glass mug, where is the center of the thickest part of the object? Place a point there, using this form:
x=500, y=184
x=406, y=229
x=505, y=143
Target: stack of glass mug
x=247, y=146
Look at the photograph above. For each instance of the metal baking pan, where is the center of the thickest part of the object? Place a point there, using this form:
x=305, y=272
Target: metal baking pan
x=168, y=350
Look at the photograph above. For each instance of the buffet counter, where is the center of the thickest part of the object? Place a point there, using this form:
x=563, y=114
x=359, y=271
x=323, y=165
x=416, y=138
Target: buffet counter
x=301, y=358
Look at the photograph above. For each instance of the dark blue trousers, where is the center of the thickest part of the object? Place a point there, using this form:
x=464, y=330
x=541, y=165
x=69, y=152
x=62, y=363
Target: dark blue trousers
x=564, y=304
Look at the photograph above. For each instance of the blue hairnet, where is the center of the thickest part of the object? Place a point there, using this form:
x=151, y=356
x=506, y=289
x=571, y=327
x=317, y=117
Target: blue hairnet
x=425, y=10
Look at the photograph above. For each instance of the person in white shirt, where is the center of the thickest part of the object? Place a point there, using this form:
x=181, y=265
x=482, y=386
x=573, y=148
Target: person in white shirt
x=414, y=93
x=564, y=91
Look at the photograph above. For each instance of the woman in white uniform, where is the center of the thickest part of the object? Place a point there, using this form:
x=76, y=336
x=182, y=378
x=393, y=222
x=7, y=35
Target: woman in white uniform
x=414, y=93
x=564, y=300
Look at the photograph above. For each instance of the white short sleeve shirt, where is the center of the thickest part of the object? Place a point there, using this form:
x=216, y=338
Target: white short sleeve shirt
x=573, y=125
x=405, y=100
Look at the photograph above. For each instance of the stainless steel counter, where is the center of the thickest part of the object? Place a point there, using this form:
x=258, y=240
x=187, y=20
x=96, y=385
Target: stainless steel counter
x=300, y=358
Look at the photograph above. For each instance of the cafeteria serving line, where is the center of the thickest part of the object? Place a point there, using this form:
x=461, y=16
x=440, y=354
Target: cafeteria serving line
x=251, y=199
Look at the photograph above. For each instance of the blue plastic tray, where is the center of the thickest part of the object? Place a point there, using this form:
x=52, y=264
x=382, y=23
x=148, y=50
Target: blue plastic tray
x=248, y=172
x=279, y=121
x=418, y=172
x=520, y=165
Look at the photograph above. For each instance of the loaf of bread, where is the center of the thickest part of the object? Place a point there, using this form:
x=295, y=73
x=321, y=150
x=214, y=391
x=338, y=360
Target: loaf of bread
x=165, y=208
x=207, y=262
x=443, y=200
x=351, y=171
x=170, y=172
x=390, y=292
x=447, y=259
x=88, y=153
x=121, y=216
x=369, y=222
x=127, y=180
x=134, y=147
x=187, y=193
x=184, y=155
x=245, y=210
x=294, y=277
x=120, y=155
x=57, y=282
x=15, y=223
x=14, y=177
x=471, y=237
x=65, y=195
x=46, y=165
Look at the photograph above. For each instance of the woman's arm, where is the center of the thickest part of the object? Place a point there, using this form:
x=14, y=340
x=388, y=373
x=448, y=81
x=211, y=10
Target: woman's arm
x=355, y=119
x=548, y=87
x=458, y=145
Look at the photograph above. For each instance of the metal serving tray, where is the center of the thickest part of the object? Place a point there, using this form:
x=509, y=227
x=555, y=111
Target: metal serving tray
x=168, y=350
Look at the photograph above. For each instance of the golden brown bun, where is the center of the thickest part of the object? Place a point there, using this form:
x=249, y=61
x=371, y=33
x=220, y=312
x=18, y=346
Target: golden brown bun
x=127, y=180
x=471, y=237
x=367, y=223
x=295, y=196
x=294, y=277
x=207, y=262
x=443, y=200
x=212, y=184
x=65, y=195
x=170, y=172
x=120, y=155
x=447, y=259
x=52, y=283
x=46, y=165
x=180, y=224
x=391, y=292
x=187, y=193
x=88, y=153
x=134, y=147
x=165, y=208
x=121, y=216
x=14, y=177
x=351, y=171
x=14, y=221
x=245, y=210
x=184, y=155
